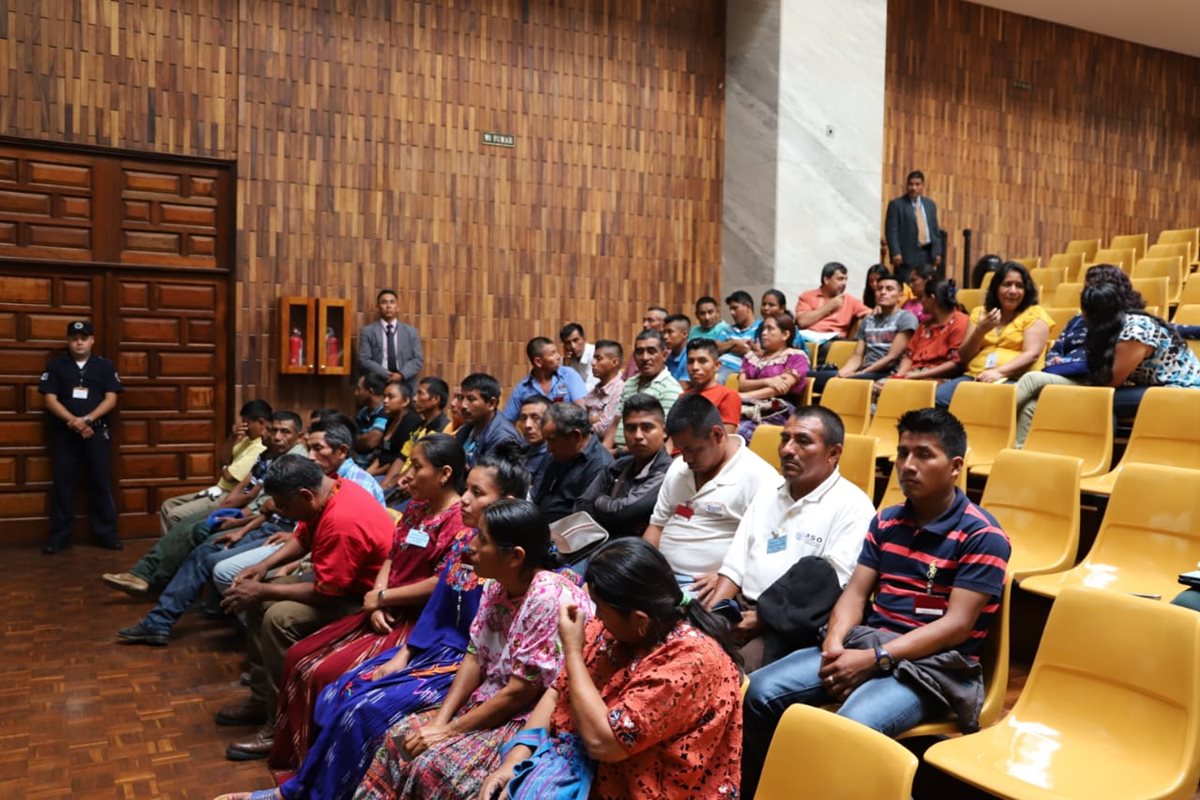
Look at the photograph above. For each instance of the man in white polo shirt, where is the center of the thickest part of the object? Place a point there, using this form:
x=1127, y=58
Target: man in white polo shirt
x=813, y=511
x=706, y=490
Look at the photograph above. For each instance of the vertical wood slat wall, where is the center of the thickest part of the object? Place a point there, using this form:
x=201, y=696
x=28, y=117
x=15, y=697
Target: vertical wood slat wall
x=356, y=127
x=1105, y=141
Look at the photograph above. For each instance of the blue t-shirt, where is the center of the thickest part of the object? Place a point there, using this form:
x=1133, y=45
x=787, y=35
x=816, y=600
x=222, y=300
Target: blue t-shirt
x=677, y=364
x=730, y=359
x=565, y=387
x=718, y=333
x=356, y=474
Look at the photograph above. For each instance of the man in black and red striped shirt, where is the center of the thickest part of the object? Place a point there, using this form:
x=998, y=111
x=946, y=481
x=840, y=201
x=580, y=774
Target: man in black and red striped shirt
x=935, y=566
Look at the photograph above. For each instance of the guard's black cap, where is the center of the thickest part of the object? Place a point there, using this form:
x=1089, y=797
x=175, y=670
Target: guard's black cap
x=79, y=328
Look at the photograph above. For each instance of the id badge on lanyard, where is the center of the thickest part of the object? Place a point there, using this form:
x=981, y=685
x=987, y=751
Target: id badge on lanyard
x=929, y=605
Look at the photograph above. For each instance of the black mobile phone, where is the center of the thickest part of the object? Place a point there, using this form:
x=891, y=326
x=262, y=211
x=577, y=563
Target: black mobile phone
x=729, y=609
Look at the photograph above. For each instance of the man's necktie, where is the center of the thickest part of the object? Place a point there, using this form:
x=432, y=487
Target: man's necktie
x=391, y=349
x=922, y=225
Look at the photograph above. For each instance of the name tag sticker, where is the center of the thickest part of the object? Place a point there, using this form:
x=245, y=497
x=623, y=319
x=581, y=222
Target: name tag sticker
x=417, y=538
x=776, y=544
x=683, y=511
x=992, y=360
x=925, y=605
x=713, y=508
x=79, y=393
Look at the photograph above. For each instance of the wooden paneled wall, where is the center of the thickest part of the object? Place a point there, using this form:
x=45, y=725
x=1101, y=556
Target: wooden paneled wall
x=1105, y=141
x=357, y=131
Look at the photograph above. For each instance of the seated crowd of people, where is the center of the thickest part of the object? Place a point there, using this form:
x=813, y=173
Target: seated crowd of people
x=418, y=626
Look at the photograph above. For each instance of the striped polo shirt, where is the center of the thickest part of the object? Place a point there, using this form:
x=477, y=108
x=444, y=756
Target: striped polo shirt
x=966, y=548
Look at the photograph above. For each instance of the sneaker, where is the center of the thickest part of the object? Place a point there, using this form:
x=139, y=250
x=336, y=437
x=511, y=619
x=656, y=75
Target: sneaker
x=126, y=582
x=141, y=634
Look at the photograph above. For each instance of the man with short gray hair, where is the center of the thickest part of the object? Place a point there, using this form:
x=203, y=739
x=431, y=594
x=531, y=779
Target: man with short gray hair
x=577, y=456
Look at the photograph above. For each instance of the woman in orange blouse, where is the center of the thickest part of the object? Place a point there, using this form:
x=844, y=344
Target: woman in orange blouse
x=649, y=692
x=932, y=352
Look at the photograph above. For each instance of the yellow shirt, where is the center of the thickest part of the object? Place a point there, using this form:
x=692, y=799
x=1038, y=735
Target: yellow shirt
x=245, y=453
x=1007, y=341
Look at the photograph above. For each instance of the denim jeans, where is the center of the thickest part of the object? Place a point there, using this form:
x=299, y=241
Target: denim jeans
x=194, y=575
x=882, y=703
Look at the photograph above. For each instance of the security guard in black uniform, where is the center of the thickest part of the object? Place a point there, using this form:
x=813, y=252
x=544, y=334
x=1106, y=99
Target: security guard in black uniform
x=81, y=389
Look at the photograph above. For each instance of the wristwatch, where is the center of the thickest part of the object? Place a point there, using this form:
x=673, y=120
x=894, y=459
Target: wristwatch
x=88, y=420
x=883, y=660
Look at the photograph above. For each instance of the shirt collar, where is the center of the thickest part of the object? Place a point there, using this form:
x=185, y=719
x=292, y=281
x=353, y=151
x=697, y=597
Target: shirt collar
x=951, y=518
x=817, y=494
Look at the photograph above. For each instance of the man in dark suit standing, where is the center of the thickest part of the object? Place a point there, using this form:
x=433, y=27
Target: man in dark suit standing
x=389, y=347
x=912, y=229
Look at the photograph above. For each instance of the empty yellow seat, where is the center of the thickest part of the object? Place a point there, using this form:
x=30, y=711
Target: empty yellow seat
x=765, y=443
x=1075, y=421
x=1182, y=249
x=857, y=464
x=896, y=398
x=1189, y=315
x=1028, y=263
x=1035, y=497
x=1061, y=317
x=1188, y=236
x=1191, y=291
x=1170, y=269
x=1120, y=257
x=839, y=352
x=1049, y=277
x=1071, y=262
x=810, y=752
x=851, y=400
x=1166, y=431
x=810, y=350
x=971, y=298
x=1150, y=534
x=1154, y=291
x=1138, y=242
x=1066, y=295
x=988, y=412
x=1086, y=247
x=1111, y=709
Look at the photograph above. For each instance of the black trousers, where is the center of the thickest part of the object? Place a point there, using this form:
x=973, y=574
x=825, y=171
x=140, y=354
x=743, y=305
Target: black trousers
x=69, y=452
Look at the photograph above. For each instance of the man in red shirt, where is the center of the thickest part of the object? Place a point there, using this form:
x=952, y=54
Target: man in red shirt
x=347, y=534
x=703, y=363
x=829, y=312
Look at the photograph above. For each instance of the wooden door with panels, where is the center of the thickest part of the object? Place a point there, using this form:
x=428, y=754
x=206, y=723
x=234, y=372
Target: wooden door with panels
x=142, y=248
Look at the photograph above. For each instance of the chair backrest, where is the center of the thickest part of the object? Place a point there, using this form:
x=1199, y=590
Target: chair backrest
x=1074, y=421
x=1188, y=236
x=994, y=659
x=893, y=495
x=1066, y=295
x=1189, y=315
x=1170, y=268
x=1182, y=249
x=1191, y=291
x=824, y=744
x=731, y=383
x=857, y=464
x=1153, y=290
x=1028, y=263
x=1061, y=317
x=1137, y=241
x=840, y=351
x=1086, y=247
x=765, y=443
x=988, y=412
x=851, y=400
x=1116, y=668
x=971, y=298
x=1035, y=497
x=810, y=350
x=1166, y=430
x=1049, y=277
x=896, y=398
x=1071, y=262
x=1121, y=257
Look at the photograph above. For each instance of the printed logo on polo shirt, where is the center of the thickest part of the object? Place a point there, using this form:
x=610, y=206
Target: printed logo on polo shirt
x=813, y=539
x=716, y=509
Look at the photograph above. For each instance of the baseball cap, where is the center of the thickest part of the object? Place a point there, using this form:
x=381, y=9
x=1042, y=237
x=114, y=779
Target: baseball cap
x=79, y=328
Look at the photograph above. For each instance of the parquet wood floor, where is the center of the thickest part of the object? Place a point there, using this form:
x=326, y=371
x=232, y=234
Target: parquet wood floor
x=84, y=718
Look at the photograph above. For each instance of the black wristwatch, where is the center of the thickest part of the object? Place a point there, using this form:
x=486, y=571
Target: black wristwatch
x=883, y=660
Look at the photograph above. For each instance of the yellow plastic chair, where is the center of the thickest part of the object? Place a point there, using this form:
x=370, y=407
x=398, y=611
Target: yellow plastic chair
x=731, y=383
x=994, y=660
x=1121, y=257
x=1066, y=295
x=1153, y=290
x=1150, y=533
x=1085, y=247
x=1074, y=421
x=1111, y=709
x=1166, y=431
x=1188, y=236
x=1169, y=268
x=1190, y=295
x=857, y=464
x=1035, y=497
x=840, y=351
x=1061, y=317
x=1189, y=315
x=896, y=398
x=765, y=443
x=1029, y=263
x=1050, y=277
x=1071, y=262
x=809, y=753
x=1184, y=250
x=1137, y=241
x=971, y=298
x=851, y=400
x=988, y=412
x=810, y=350
x=893, y=495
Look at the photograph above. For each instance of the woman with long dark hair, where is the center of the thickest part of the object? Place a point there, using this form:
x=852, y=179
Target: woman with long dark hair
x=648, y=702
x=932, y=352
x=1006, y=336
x=874, y=273
x=514, y=655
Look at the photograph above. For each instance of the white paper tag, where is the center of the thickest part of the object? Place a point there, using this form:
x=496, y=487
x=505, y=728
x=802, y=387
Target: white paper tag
x=417, y=538
x=79, y=393
x=991, y=361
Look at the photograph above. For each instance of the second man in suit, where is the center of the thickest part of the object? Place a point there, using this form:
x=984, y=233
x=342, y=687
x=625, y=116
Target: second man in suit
x=389, y=347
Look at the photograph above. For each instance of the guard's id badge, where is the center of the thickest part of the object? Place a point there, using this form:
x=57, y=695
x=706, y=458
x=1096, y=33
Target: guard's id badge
x=928, y=605
x=417, y=538
x=776, y=544
x=79, y=393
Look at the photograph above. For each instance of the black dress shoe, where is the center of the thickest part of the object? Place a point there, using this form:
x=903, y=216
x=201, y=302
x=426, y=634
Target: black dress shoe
x=140, y=634
x=111, y=545
x=53, y=548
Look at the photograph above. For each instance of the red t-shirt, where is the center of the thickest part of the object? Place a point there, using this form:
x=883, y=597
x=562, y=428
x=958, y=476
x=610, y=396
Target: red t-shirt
x=348, y=542
x=727, y=401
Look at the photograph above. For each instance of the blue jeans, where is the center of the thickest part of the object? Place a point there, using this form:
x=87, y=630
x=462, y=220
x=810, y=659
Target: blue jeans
x=194, y=575
x=882, y=703
x=945, y=391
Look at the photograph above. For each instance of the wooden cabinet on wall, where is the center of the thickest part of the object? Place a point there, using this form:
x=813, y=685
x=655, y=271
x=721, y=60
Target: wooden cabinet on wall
x=314, y=336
